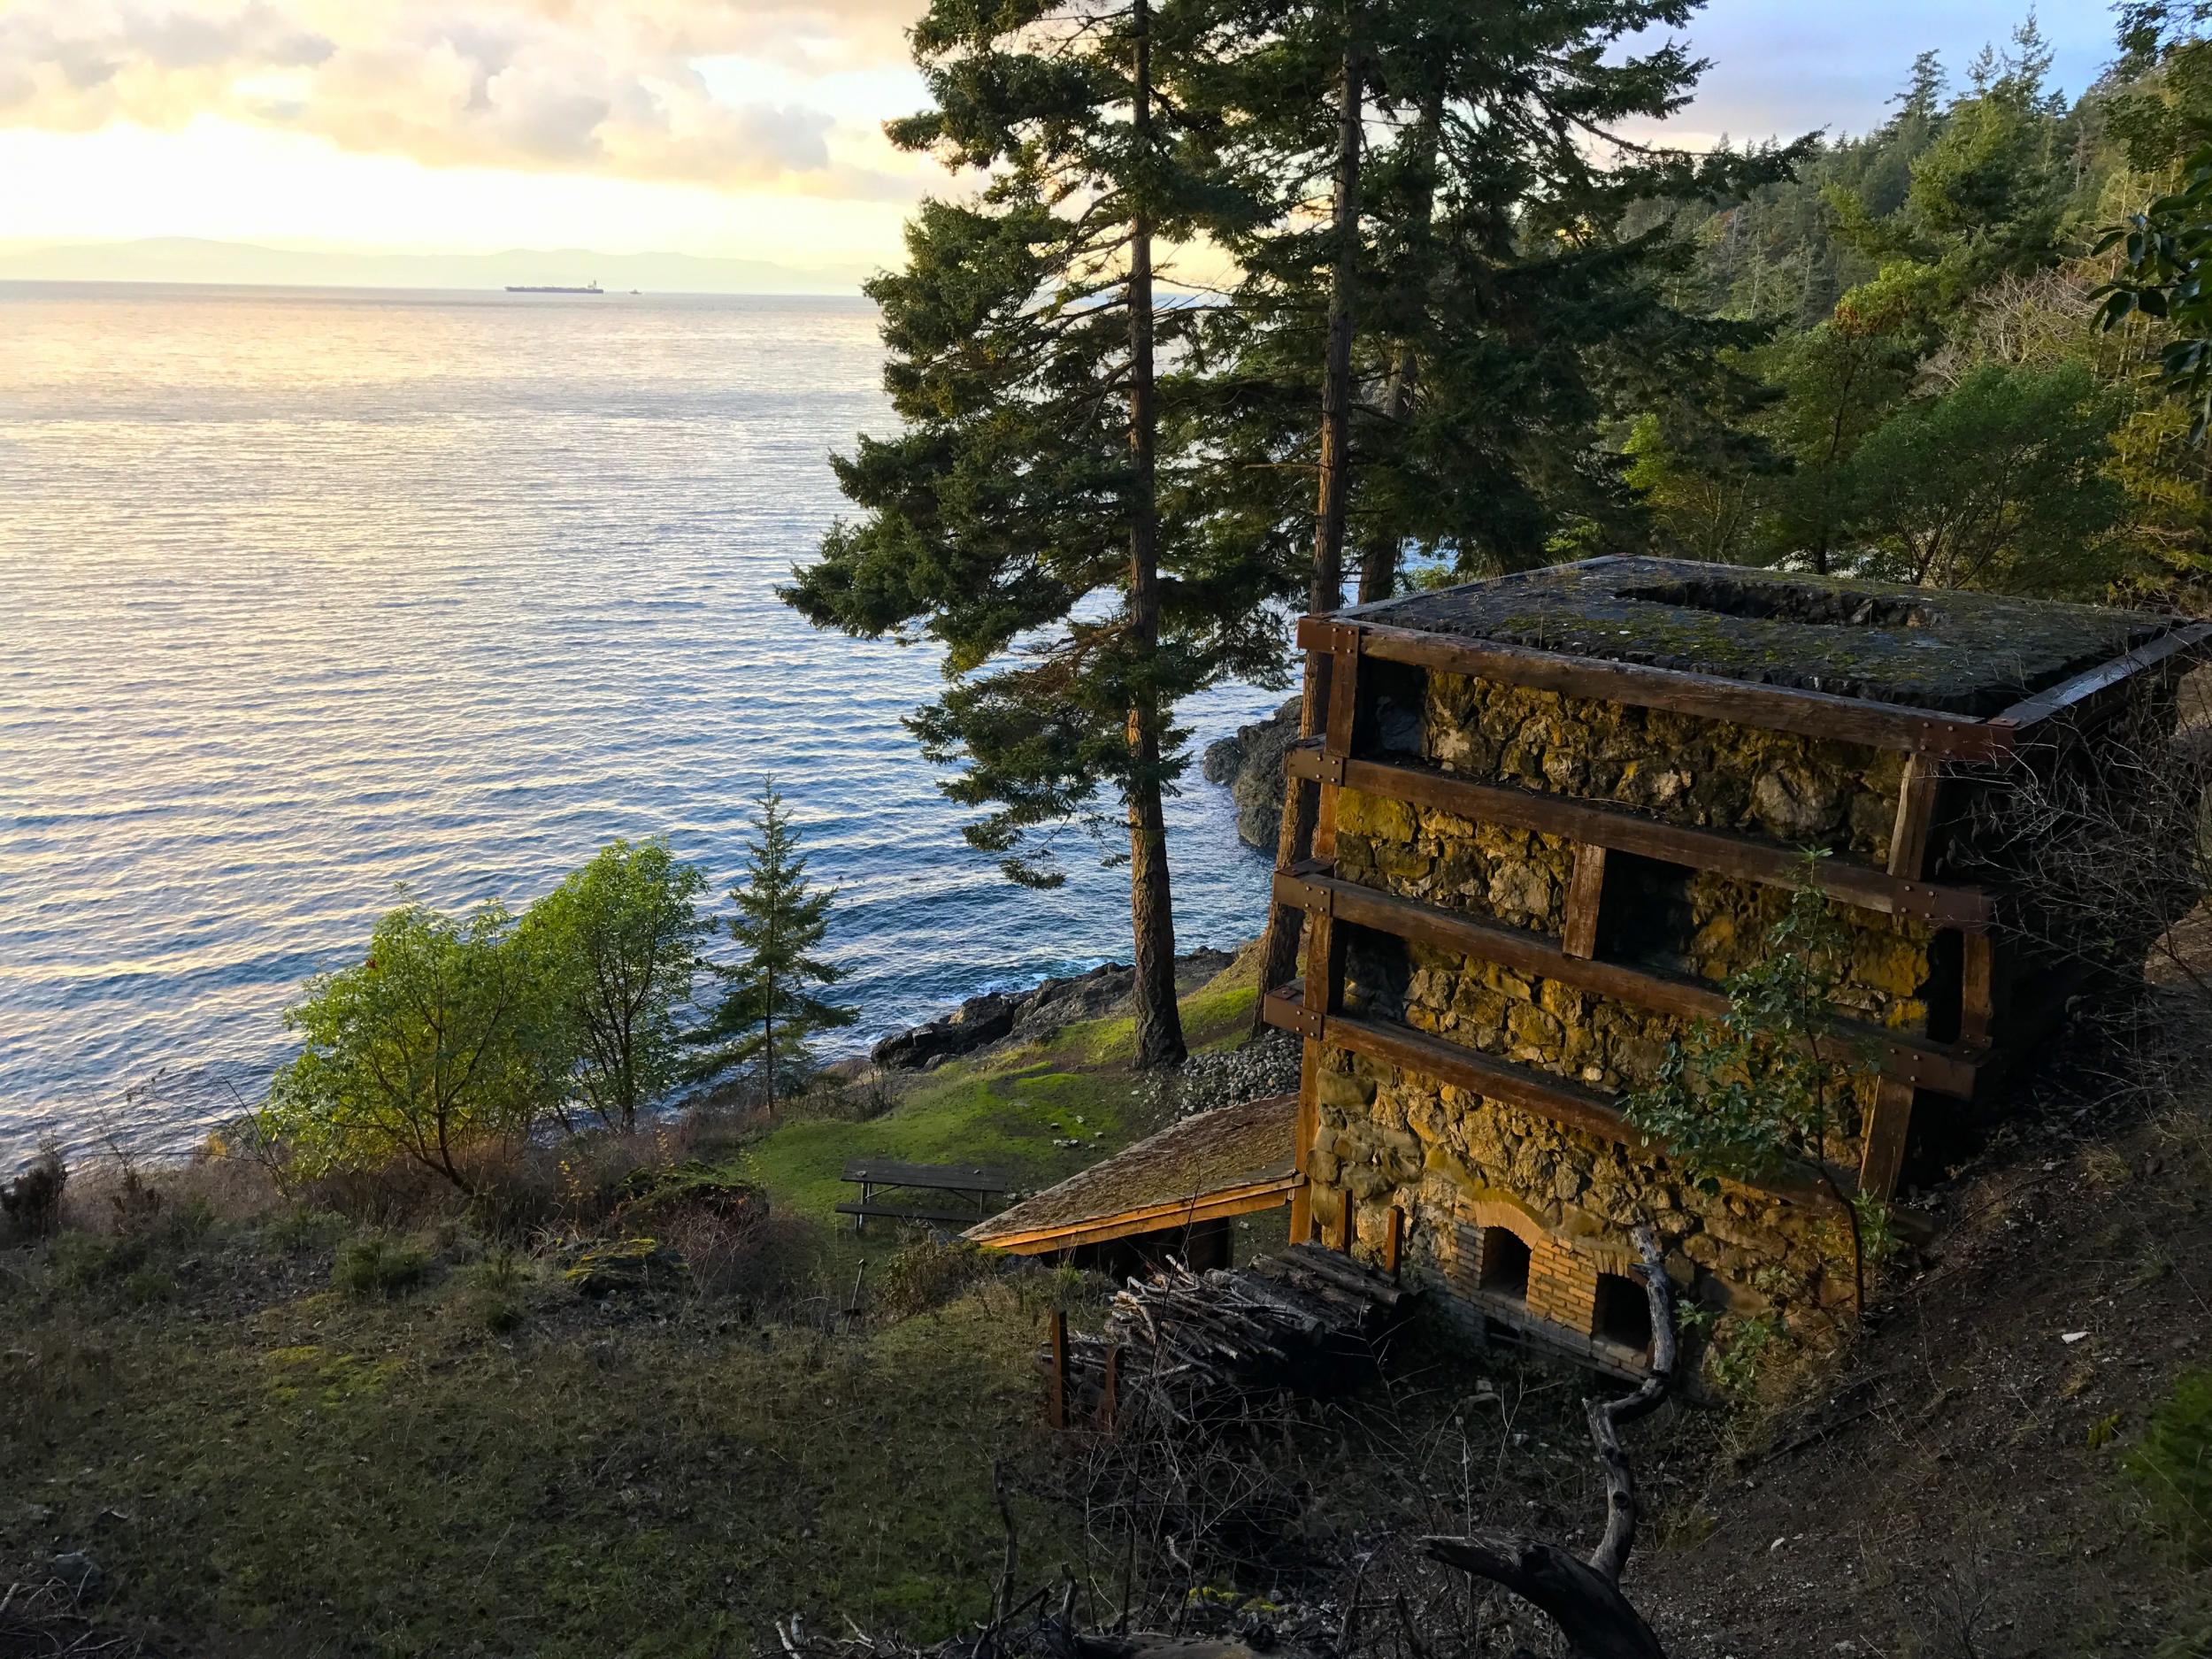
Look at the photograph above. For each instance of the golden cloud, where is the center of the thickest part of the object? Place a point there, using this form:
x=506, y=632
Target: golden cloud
x=538, y=84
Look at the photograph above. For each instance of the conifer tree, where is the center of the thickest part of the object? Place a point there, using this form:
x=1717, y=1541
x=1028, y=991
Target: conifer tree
x=1036, y=515
x=1474, y=307
x=769, y=1013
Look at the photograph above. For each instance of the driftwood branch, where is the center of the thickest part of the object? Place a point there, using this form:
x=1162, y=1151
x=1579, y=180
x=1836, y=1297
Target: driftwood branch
x=1607, y=1419
x=1582, y=1598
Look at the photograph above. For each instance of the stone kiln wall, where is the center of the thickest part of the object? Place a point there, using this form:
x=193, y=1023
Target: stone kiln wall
x=1704, y=773
x=1533, y=1021
x=1805, y=791
x=1456, y=1165
x=1460, y=1167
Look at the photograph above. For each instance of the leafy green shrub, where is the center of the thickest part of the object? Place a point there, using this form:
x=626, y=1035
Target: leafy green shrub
x=444, y=1041
x=30, y=1205
x=86, y=1260
x=1735, y=1366
x=2173, y=1465
x=374, y=1265
x=120, y=1266
x=1767, y=1088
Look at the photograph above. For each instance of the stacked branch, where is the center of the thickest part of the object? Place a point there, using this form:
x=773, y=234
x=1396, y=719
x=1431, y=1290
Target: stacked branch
x=1194, y=1347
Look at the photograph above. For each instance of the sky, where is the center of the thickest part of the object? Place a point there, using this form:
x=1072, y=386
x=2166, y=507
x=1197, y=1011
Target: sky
x=724, y=128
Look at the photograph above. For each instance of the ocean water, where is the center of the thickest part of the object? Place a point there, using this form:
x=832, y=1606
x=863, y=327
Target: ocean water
x=305, y=594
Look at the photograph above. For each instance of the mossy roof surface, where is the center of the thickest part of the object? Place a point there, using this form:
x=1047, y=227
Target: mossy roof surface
x=1953, y=652
x=1206, y=1153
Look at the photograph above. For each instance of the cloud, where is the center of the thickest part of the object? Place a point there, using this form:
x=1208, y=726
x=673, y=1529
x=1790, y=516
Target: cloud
x=566, y=85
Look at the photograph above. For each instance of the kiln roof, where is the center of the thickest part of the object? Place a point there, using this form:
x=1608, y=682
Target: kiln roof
x=1956, y=652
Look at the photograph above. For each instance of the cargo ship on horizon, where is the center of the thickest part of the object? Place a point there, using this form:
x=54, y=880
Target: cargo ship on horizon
x=520, y=287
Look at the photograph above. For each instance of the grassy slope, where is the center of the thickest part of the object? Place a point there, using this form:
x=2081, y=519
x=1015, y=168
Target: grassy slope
x=1954, y=1488
x=262, y=1465
x=315, y=1475
x=1007, y=1107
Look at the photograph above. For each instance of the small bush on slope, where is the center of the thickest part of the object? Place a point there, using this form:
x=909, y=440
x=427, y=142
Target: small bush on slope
x=2173, y=1465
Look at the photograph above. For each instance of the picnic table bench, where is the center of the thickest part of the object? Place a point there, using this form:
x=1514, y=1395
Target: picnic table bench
x=945, y=1193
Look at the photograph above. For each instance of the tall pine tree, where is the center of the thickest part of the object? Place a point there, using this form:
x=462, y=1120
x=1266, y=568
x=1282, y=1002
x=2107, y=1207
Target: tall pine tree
x=1036, y=513
x=1473, y=307
x=770, y=1013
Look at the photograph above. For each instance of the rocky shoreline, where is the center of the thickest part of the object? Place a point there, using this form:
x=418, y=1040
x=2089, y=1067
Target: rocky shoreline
x=996, y=1015
x=1249, y=764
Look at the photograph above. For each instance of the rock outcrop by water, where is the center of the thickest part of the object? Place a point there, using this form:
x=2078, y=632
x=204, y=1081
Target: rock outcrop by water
x=997, y=1014
x=1250, y=766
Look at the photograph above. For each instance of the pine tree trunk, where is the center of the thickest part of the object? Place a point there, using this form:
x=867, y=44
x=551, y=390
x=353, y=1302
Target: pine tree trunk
x=1278, y=949
x=768, y=1039
x=1151, y=912
x=1378, y=565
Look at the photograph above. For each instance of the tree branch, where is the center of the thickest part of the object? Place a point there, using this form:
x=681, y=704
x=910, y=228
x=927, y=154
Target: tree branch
x=1582, y=1598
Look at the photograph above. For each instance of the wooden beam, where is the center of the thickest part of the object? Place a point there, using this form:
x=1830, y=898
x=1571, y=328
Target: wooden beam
x=1978, y=989
x=1182, y=1212
x=1344, y=1220
x=1710, y=696
x=2187, y=644
x=1394, y=1244
x=1622, y=830
x=1308, y=1131
x=1947, y=1069
x=1325, y=956
x=1882, y=1157
x=1342, y=648
x=1557, y=1099
x=1586, y=898
x=1916, y=817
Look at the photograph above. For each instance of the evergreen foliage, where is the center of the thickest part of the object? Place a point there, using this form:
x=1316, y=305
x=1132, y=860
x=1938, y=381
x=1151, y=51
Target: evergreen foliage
x=769, y=1015
x=1509, y=296
x=1996, y=483
x=1931, y=288
x=2164, y=250
x=1037, y=512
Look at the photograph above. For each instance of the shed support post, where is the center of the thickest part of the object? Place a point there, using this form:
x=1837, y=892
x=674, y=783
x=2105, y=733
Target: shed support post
x=1056, y=1331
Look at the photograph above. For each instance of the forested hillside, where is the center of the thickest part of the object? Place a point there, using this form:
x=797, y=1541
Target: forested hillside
x=1931, y=400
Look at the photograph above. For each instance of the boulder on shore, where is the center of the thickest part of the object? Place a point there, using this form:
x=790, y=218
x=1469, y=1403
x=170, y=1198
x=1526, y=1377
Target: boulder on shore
x=1249, y=764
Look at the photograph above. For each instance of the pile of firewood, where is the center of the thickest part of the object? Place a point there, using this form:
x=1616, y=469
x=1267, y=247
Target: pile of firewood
x=1193, y=1347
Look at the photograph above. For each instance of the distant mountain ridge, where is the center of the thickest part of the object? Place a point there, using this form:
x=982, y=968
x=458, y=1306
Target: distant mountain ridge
x=194, y=259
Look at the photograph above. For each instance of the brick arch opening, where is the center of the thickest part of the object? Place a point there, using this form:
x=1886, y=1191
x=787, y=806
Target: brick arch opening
x=1506, y=1259
x=1622, y=1314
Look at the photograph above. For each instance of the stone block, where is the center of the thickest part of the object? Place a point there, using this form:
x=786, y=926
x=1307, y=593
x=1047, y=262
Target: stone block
x=1345, y=1091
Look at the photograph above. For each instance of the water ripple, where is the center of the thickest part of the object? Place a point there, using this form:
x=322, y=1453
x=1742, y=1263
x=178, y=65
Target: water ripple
x=304, y=595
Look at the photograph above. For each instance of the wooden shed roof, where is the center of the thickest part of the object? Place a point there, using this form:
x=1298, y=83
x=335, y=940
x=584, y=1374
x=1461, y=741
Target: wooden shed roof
x=1212, y=1164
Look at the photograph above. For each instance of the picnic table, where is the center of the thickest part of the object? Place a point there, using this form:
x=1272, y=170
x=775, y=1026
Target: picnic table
x=943, y=1193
